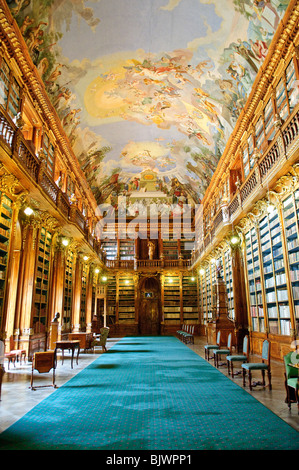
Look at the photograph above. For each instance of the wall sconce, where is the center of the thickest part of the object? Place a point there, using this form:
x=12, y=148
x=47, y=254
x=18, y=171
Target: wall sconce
x=65, y=242
x=85, y=258
x=28, y=211
x=192, y=278
x=201, y=271
x=170, y=280
x=213, y=261
x=127, y=281
x=235, y=240
x=97, y=271
x=104, y=278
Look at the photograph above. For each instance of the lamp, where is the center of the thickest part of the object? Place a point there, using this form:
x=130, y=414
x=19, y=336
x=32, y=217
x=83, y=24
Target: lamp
x=235, y=240
x=65, y=242
x=85, y=258
x=201, y=271
x=97, y=271
x=104, y=278
x=28, y=211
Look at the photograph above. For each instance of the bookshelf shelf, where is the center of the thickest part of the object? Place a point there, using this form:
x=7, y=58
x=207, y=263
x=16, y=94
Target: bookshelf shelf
x=68, y=291
x=41, y=294
x=172, y=309
x=126, y=302
x=190, y=299
x=5, y=235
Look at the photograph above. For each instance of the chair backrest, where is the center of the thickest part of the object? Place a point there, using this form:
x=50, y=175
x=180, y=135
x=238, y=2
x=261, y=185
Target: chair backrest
x=266, y=351
x=291, y=372
x=229, y=341
x=218, y=337
x=246, y=345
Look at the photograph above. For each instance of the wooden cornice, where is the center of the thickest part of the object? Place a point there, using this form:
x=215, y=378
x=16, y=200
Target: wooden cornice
x=16, y=46
x=286, y=33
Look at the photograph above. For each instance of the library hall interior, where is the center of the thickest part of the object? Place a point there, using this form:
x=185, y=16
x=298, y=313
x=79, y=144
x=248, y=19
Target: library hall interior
x=149, y=226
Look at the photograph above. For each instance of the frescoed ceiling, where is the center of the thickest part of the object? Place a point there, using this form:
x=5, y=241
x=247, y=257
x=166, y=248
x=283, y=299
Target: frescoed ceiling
x=148, y=87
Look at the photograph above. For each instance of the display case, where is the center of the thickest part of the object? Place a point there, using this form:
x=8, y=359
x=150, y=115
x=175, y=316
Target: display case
x=5, y=234
x=42, y=275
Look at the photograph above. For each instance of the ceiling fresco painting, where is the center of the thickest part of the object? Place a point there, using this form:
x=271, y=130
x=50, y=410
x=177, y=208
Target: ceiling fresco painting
x=148, y=90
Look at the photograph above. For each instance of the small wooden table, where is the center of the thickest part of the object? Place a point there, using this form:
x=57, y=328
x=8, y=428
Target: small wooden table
x=67, y=344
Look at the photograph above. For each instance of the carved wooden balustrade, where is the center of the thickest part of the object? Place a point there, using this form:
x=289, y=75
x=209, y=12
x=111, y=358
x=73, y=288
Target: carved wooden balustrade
x=279, y=150
x=12, y=140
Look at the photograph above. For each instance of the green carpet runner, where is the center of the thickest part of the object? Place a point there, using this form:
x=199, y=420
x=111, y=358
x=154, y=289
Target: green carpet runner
x=150, y=393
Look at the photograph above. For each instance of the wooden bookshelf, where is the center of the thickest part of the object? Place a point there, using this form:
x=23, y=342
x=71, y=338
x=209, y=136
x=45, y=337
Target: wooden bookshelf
x=83, y=297
x=190, y=299
x=172, y=309
x=111, y=300
x=227, y=275
x=290, y=209
x=68, y=292
x=256, y=304
x=277, y=301
x=126, y=301
x=5, y=235
x=170, y=249
x=42, y=275
x=127, y=249
x=110, y=248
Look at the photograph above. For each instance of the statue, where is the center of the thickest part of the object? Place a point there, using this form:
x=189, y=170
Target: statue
x=151, y=249
x=56, y=317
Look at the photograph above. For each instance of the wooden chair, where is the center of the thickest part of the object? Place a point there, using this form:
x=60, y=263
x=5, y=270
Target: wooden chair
x=14, y=355
x=238, y=357
x=218, y=352
x=291, y=380
x=262, y=366
x=44, y=362
x=189, y=337
x=211, y=347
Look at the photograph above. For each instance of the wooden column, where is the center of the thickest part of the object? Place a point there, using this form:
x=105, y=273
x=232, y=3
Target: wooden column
x=239, y=290
x=24, y=319
x=13, y=268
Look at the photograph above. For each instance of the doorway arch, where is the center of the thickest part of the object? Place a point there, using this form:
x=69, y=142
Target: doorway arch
x=149, y=306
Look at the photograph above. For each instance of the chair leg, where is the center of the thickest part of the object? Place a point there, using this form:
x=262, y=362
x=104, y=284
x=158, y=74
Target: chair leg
x=249, y=379
x=228, y=367
x=269, y=378
x=244, y=375
x=232, y=366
